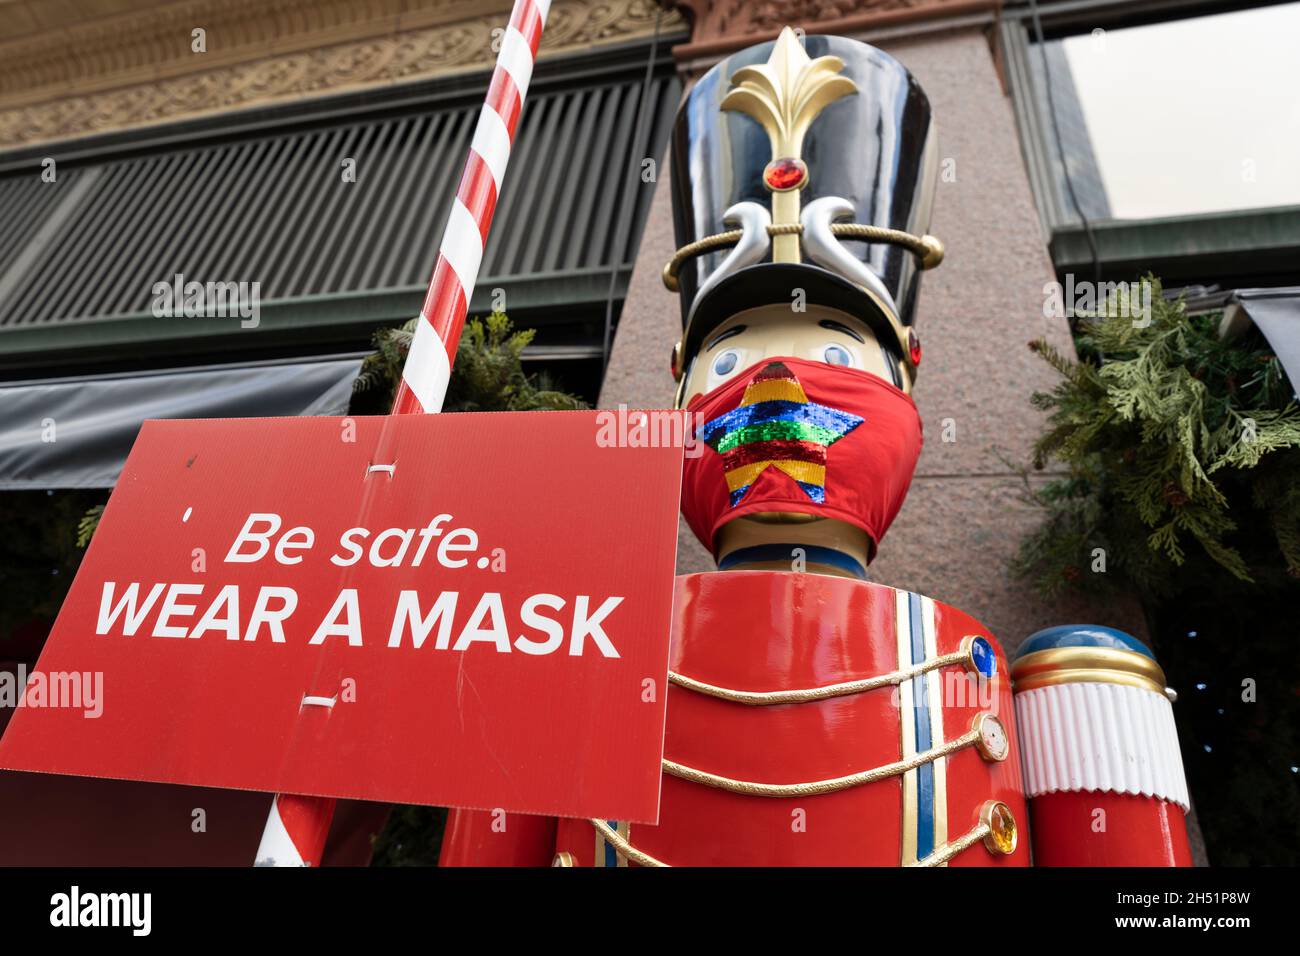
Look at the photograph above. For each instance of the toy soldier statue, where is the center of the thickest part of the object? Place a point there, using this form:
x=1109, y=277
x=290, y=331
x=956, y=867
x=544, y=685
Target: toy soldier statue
x=814, y=717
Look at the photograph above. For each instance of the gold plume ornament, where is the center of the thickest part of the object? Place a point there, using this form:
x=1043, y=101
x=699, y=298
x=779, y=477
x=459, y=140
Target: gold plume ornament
x=784, y=95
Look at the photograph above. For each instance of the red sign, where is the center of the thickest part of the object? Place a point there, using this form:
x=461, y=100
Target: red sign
x=460, y=610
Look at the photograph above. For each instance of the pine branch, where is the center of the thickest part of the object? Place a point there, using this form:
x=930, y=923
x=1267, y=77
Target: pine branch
x=1175, y=438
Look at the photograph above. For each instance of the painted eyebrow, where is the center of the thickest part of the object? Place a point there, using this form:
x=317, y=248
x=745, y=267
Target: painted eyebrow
x=837, y=327
x=734, y=330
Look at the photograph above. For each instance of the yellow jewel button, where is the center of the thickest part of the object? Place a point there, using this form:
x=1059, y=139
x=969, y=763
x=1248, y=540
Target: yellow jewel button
x=1001, y=838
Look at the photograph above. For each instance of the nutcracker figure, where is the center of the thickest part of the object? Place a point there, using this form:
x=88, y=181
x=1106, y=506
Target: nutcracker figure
x=815, y=717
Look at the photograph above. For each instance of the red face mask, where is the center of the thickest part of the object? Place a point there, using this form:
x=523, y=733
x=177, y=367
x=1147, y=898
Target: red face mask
x=800, y=436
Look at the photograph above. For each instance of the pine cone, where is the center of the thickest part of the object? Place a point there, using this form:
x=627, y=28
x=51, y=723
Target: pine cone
x=1173, y=495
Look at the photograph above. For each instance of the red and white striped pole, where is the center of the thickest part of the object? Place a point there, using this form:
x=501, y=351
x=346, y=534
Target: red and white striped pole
x=297, y=826
x=428, y=367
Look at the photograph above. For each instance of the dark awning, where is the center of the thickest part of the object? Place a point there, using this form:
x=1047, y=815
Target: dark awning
x=1277, y=314
x=334, y=208
x=76, y=432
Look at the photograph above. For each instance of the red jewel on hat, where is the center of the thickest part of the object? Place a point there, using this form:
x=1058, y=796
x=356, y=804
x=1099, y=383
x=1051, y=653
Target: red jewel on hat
x=914, y=347
x=782, y=175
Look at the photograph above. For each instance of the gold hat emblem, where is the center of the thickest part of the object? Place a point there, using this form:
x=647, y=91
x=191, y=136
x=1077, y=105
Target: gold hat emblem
x=784, y=95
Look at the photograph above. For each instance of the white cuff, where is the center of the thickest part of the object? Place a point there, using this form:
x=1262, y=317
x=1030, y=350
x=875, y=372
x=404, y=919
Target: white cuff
x=1100, y=737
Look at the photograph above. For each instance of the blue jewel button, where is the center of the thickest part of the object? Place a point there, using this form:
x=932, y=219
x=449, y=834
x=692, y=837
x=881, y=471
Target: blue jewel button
x=983, y=657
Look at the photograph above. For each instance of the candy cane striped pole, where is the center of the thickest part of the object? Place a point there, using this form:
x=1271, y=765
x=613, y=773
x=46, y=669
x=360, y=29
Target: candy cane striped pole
x=428, y=367
x=297, y=826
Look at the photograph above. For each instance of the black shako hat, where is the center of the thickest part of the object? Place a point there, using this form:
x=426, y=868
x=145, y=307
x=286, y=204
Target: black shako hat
x=803, y=165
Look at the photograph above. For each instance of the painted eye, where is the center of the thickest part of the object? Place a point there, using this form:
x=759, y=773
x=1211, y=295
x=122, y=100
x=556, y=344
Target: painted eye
x=725, y=363
x=837, y=355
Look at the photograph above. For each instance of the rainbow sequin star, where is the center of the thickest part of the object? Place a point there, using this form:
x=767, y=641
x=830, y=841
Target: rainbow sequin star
x=775, y=426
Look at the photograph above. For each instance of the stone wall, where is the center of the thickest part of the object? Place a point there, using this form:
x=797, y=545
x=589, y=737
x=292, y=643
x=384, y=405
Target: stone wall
x=90, y=66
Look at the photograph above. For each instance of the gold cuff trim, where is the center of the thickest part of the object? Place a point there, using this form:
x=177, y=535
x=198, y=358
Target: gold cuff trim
x=815, y=787
x=765, y=698
x=927, y=248
x=624, y=849
x=1069, y=665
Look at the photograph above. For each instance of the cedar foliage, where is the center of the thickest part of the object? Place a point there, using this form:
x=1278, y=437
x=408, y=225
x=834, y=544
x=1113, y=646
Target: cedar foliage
x=1179, y=452
x=488, y=375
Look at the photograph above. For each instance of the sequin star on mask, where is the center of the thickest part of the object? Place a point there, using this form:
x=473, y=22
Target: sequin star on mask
x=776, y=425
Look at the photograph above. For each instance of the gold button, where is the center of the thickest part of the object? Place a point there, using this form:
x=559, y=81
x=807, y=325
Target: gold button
x=563, y=859
x=992, y=741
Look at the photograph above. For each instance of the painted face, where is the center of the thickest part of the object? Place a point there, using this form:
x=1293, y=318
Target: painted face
x=819, y=334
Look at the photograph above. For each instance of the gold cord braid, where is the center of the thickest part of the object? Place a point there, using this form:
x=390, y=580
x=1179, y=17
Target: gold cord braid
x=940, y=856
x=943, y=854
x=927, y=248
x=698, y=247
x=624, y=849
x=815, y=787
x=756, y=698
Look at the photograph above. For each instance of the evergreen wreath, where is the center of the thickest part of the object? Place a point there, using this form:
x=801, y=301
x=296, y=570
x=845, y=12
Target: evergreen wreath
x=1179, y=453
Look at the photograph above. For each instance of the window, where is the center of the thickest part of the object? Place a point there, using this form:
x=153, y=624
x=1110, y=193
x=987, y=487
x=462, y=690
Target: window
x=1190, y=116
x=1161, y=137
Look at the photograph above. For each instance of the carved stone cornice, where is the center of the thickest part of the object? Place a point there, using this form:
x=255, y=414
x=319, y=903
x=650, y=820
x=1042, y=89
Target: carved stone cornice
x=150, y=40
x=719, y=27
x=137, y=68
